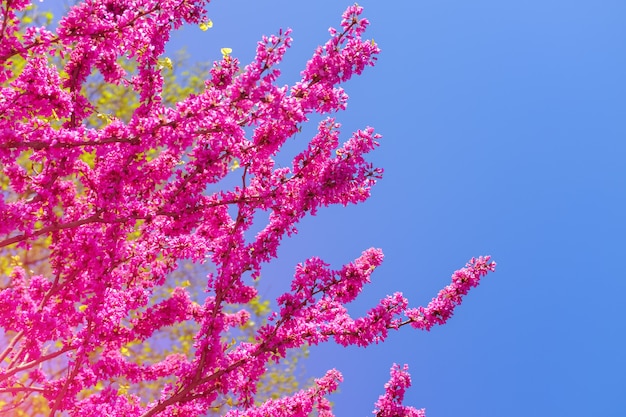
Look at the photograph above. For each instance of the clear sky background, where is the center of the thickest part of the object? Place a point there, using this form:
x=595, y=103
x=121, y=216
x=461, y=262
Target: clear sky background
x=504, y=126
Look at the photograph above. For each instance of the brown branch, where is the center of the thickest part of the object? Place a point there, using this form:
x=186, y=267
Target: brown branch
x=15, y=390
x=36, y=362
x=48, y=229
x=38, y=144
x=11, y=345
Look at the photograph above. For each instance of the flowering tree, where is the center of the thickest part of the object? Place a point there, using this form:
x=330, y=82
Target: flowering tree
x=121, y=204
x=110, y=99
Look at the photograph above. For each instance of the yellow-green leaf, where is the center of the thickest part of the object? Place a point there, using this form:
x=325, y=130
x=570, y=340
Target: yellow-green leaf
x=166, y=63
x=204, y=26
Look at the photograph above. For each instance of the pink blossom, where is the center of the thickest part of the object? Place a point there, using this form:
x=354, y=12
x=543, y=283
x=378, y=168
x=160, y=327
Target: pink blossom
x=116, y=221
x=390, y=403
x=440, y=309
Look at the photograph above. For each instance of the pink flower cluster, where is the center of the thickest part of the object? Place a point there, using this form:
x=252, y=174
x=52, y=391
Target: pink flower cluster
x=120, y=206
x=390, y=403
x=440, y=309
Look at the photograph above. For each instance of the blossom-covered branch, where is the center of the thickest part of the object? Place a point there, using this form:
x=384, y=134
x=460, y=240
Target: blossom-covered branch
x=120, y=205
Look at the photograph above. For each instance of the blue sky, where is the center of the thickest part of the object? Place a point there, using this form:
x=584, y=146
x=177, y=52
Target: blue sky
x=504, y=126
